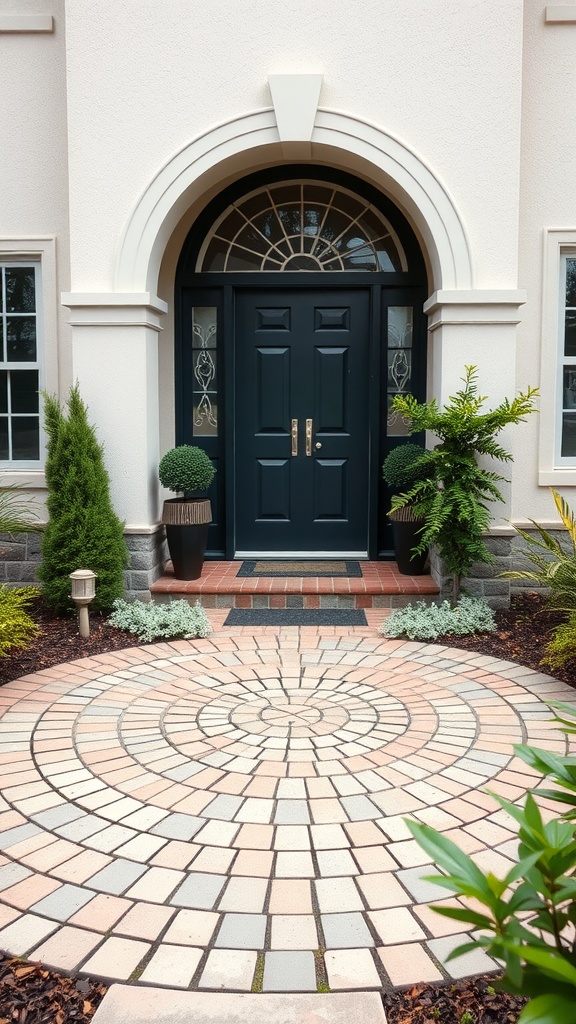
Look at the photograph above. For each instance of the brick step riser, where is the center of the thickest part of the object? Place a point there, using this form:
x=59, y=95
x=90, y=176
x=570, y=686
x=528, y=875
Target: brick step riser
x=295, y=601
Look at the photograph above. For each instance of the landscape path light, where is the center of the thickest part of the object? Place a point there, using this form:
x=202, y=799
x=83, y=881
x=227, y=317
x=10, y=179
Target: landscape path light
x=83, y=592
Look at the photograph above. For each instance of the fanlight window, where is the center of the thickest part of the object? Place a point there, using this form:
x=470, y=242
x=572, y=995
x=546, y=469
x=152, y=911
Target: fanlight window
x=302, y=227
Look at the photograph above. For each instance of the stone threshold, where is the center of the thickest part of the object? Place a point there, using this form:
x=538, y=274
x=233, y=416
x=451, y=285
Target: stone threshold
x=380, y=586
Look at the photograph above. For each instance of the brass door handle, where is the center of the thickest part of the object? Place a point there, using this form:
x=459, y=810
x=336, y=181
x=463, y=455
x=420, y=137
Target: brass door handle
x=294, y=436
x=308, y=437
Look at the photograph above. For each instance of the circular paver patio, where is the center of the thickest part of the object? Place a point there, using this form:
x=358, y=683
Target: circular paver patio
x=229, y=813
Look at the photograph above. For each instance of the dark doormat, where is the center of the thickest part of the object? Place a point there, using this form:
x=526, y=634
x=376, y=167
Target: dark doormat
x=296, y=617
x=319, y=567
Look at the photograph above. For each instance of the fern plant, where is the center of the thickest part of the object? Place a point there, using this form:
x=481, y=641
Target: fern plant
x=453, y=500
x=555, y=569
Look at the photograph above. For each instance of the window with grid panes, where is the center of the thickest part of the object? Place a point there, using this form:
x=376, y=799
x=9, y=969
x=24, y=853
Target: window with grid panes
x=568, y=359
x=19, y=363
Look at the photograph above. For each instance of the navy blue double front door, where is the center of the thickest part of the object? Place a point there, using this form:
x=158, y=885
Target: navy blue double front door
x=301, y=421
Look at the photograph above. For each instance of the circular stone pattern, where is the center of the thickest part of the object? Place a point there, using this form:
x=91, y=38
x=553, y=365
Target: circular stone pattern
x=230, y=812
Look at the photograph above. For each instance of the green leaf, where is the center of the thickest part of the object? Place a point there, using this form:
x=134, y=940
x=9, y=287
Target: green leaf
x=548, y=1009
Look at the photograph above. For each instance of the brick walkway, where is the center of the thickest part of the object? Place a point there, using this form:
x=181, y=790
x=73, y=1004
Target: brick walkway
x=228, y=813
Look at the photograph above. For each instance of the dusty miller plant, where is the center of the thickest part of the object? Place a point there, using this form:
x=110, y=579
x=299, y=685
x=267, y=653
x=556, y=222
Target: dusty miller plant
x=454, y=498
x=423, y=621
x=176, y=619
x=526, y=919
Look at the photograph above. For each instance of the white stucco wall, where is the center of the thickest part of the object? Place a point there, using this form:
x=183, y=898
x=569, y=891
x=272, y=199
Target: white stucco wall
x=445, y=77
x=34, y=176
x=548, y=200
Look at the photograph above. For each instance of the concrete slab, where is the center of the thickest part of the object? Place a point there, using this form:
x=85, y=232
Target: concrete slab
x=125, y=1004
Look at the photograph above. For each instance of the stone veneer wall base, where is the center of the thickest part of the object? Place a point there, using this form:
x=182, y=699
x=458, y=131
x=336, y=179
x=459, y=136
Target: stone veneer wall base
x=20, y=556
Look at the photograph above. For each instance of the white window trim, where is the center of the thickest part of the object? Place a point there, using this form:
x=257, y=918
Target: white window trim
x=40, y=251
x=554, y=471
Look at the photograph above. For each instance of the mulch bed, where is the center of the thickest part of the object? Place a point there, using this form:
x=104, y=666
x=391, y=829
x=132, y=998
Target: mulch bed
x=449, y=1004
x=29, y=994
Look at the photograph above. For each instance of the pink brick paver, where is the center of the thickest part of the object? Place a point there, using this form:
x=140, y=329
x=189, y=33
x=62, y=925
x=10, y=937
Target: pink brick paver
x=184, y=813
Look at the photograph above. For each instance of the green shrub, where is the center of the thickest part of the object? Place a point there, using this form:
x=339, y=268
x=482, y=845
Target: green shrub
x=527, y=918
x=429, y=621
x=83, y=531
x=186, y=468
x=554, y=569
x=17, y=628
x=176, y=619
x=453, y=498
x=404, y=465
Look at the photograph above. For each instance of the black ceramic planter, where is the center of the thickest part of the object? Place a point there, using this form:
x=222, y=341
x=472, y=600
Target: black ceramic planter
x=406, y=536
x=187, y=545
x=187, y=523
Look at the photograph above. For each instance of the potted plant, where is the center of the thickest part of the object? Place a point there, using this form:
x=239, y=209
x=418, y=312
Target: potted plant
x=404, y=467
x=187, y=469
x=454, y=498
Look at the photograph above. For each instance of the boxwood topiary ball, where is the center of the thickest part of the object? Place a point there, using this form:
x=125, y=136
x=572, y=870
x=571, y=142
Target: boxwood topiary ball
x=400, y=467
x=186, y=468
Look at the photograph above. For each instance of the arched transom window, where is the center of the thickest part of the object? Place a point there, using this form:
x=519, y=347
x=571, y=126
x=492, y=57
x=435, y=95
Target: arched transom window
x=307, y=226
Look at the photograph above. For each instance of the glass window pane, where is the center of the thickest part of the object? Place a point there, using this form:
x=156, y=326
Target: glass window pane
x=238, y=259
x=4, y=450
x=396, y=426
x=20, y=290
x=215, y=258
x=570, y=335
x=21, y=339
x=204, y=416
x=204, y=371
x=399, y=369
x=569, y=434
x=3, y=391
x=571, y=282
x=400, y=320
x=24, y=391
x=204, y=327
x=569, y=388
x=25, y=437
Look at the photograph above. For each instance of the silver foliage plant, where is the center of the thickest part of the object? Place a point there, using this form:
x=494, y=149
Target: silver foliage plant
x=174, y=620
x=423, y=621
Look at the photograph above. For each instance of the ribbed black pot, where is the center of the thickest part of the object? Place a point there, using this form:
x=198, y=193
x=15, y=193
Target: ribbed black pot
x=187, y=545
x=407, y=536
x=187, y=522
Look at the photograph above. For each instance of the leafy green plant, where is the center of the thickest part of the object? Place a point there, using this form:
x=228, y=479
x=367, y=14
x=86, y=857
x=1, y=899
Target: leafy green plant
x=555, y=569
x=186, y=468
x=15, y=513
x=453, y=498
x=17, y=628
x=83, y=531
x=429, y=621
x=175, y=619
x=527, y=918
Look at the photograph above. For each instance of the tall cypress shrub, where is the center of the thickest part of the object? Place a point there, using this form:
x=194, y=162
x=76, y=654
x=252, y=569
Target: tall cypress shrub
x=83, y=531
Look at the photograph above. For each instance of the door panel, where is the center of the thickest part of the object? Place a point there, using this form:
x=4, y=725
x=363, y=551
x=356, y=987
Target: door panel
x=301, y=354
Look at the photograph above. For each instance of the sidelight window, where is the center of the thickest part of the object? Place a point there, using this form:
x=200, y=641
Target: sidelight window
x=19, y=363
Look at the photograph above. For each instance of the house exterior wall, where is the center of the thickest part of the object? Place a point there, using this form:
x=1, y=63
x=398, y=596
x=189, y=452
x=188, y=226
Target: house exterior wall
x=132, y=116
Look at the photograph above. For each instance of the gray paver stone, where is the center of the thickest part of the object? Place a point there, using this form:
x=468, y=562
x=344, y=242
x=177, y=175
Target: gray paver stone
x=289, y=972
x=115, y=878
x=242, y=931
x=63, y=902
x=199, y=891
x=60, y=815
x=178, y=826
x=345, y=931
x=423, y=892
